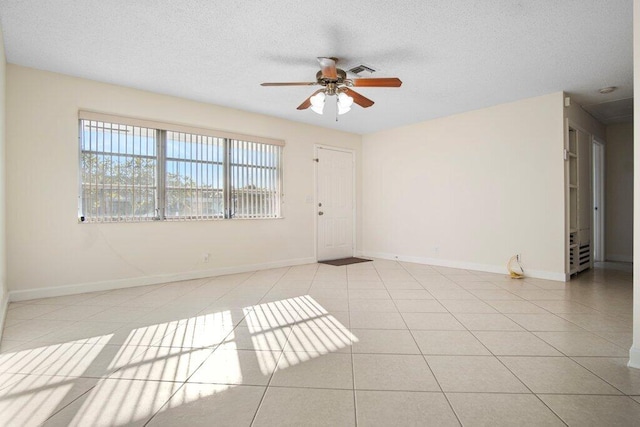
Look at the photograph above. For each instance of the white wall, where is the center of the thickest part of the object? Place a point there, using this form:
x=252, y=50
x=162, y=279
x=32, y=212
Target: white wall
x=470, y=190
x=634, y=352
x=48, y=248
x=3, y=253
x=619, y=192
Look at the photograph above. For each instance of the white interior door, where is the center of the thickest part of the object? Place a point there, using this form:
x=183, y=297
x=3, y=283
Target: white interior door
x=335, y=208
x=598, y=200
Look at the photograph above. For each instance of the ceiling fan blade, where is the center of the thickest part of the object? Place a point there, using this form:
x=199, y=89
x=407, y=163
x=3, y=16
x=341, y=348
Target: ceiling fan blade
x=328, y=66
x=362, y=101
x=290, y=84
x=307, y=102
x=377, y=82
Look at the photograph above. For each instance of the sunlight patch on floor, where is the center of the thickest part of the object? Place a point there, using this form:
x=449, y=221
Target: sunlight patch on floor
x=128, y=375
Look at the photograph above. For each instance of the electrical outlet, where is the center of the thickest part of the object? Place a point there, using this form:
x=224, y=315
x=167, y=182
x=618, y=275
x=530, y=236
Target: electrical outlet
x=436, y=250
x=205, y=257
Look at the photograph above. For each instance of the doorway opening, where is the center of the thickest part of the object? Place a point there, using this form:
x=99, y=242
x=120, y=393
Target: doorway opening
x=598, y=200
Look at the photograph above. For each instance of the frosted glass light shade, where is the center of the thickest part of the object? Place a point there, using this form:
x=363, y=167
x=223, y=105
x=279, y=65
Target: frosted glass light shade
x=344, y=103
x=317, y=102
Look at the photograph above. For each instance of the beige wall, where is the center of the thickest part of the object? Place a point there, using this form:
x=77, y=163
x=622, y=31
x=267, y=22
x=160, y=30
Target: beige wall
x=470, y=190
x=619, y=192
x=634, y=352
x=3, y=254
x=48, y=248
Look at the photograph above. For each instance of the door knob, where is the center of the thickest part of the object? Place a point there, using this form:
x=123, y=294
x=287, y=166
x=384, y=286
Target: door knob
x=320, y=213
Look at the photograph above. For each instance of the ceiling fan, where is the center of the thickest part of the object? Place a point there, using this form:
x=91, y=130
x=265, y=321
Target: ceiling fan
x=334, y=81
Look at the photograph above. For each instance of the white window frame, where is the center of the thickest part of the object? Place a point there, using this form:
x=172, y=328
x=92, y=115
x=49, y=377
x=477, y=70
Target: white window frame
x=274, y=147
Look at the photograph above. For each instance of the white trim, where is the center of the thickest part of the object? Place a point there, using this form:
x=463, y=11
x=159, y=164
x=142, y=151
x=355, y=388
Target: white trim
x=175, y=127
x=354, y=239
x=567, y=201
x=4, y=308
x=79, y=288
x=598, y=177
x=571, y=124
x=538, y=274
x=619, y=258
x=578, y=127
x=315, y=201
x=634, y=358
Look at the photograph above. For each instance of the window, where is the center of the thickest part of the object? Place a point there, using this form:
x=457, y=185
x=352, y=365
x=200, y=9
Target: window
x=253, y=177
x=194, y=176
x=119, y=168
x=136, y=170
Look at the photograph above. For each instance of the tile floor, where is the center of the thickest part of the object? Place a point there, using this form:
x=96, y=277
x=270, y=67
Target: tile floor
x=380, y=343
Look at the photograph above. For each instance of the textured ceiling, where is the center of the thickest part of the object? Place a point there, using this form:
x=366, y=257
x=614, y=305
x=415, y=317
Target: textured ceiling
x=452, y=55
x=617, y=111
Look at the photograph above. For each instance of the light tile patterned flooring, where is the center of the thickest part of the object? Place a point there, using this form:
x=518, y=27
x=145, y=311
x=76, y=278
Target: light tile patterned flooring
x=380, y=343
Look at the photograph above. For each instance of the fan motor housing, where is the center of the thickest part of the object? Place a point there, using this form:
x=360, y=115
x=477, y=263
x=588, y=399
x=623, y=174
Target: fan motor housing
x=322, y=80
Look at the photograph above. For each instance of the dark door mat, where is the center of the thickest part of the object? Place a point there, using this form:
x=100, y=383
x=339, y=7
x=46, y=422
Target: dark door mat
x=344, y=261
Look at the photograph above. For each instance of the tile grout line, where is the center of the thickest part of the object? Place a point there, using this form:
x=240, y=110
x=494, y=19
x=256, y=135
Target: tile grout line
x=277, y=362
x=512, y=373
x=353, y=367
x=534, y=302
x=517, y=377
x=68, y=404
x=351, y=349
x=500, y=361
x=215, y=347
x=418, y=347
x=107, y=307
x=595, y=374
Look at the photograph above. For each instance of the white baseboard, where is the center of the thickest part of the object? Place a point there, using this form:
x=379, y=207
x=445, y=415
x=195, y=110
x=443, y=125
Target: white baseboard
x=538, y=274
x=79, y=288
x=634, y=358
x=619, y=258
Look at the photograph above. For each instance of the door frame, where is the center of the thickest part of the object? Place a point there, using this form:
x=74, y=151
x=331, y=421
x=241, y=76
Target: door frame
x=316, y=148
x=598, y=178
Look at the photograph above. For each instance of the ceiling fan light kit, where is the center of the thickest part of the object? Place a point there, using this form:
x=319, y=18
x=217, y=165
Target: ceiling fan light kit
x=344, y=103
x=317, y=102
x=335, y=82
